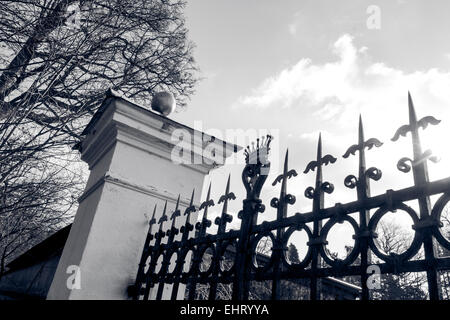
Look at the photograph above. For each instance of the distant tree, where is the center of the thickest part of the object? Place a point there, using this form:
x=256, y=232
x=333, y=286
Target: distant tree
x=403, y=286
x=35, y=201
x=292, y=254
x=443, y=252
x=259, y=290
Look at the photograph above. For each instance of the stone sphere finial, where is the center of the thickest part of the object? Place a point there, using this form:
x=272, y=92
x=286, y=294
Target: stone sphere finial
x=163, y=102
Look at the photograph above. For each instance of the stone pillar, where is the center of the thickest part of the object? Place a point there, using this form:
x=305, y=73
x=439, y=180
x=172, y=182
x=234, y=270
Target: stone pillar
x=128, y=149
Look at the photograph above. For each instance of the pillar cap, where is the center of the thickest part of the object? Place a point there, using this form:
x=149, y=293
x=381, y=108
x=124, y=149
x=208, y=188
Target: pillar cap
x=123, y=114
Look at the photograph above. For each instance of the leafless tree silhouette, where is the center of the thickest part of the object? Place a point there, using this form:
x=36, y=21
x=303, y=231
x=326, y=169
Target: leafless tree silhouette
x=57, y=59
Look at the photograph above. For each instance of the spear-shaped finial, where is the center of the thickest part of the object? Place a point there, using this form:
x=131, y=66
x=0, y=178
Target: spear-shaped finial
x=225, y=217
x=412, y=111
x=176, y=213
x=164, y=216
x=414, y=125
x=187, y=225
x=319, y=148
x=285, y=172
x=161, y=221
x=206, y=204
x=362, y=155
x=362, y=144
x=227, y=188
x=319, y=159
x=319, y=162
x=361, y=131
x=191, y=207
x=172, y=232
x=208, y=196
x=152, y=219
x=285, y=168
x=205, y=222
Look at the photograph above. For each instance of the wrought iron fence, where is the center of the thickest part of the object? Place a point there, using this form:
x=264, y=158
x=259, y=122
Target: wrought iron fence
x=158, y=265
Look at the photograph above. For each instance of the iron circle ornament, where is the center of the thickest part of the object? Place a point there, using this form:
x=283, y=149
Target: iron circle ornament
x=159, y=258
x=394, y=257
x=164, y=266
x=436, y=214
x=147, y=258
x=324, y=252
x=222, y=252
x=172, y=262
x=350, y=181
x=201, y=253
x=308, y=256
x=255, y=242
x=182, y=259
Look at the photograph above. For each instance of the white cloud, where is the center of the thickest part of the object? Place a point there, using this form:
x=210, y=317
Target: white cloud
x=292, y=28
x=329, y=97
x=352, y=83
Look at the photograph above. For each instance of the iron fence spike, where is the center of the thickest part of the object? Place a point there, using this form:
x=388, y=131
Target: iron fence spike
x=361, y=132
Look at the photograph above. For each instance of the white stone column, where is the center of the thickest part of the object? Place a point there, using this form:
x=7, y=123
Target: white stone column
x=128, y=149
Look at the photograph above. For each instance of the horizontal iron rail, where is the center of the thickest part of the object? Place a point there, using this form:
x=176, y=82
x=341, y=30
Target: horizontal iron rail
x=391, y=196
x=408, y=266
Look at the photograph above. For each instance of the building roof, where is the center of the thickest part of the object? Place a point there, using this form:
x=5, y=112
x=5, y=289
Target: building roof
x=41, y=251
x=56, y=242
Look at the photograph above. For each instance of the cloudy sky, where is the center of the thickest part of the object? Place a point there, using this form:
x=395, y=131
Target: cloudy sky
x=303, y=67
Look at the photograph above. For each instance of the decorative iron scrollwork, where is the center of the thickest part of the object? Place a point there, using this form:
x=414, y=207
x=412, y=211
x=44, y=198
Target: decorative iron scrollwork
x=257, y=167
x=205, y=223
x=274, y=264
x=404, y=167
x=422, y=123
x=374, y=173
x=228, y=196
x=208, y=203
x=327, y=159
x=274, y=203
x=350, y=181
x=327, y=187
x=290, y=199
x=369, y=144
x=309, y=192
x=260, y=207
x=290, y=174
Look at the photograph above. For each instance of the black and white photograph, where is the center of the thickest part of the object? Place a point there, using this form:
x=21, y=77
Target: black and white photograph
x=214, y=157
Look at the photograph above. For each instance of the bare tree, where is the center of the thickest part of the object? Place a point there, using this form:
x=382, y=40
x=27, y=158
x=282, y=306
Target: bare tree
x=54, y=75
x=56, y=72
x=259, y=290
x=57, y=59
x=409, y=285
x=443, y=252
x=36, y=199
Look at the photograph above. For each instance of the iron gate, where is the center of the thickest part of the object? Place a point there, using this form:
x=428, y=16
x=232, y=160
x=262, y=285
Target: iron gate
x=160, y=247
